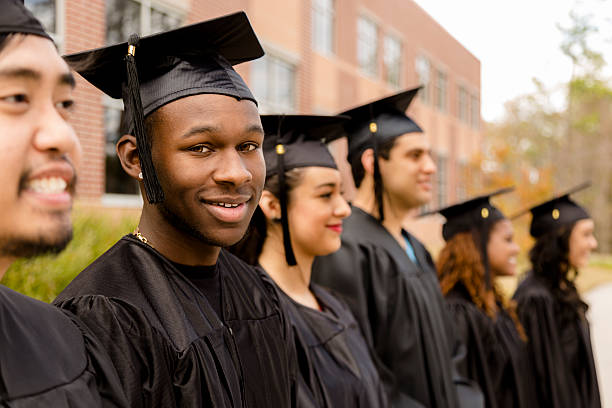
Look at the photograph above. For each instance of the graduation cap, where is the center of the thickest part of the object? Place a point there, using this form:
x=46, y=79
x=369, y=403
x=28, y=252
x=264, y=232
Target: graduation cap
x=153, y=71
x=474, y=215
x=559, y=211
x=294, y=141
x=15, y=18
x=376, y=123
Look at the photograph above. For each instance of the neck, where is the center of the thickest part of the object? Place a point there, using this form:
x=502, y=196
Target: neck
x=293, y=280
x=173, y=243
x=5, y=262
x=395, y=216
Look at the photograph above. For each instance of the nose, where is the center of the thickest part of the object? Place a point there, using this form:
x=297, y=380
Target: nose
x=342, y=209
x=594, y=243
x=55, y=135
x=231, y=169
x=429, y=167
x=515, y=248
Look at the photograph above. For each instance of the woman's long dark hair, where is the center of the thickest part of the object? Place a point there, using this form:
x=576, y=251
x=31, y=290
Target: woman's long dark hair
x=550, y=264
x=460, y=263
x=250, y=246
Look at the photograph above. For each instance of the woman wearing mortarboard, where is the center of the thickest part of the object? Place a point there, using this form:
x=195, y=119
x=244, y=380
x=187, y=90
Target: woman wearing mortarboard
x=480, y=247
x=299, y=217
x=551, y=309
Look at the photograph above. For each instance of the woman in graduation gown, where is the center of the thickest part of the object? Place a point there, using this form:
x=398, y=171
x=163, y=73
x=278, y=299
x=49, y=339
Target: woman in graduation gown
x=551, y=309
x=299, y=217
x=479, y=247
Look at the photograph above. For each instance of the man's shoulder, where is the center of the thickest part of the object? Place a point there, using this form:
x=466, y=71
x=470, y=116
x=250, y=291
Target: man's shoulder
x=40, y=346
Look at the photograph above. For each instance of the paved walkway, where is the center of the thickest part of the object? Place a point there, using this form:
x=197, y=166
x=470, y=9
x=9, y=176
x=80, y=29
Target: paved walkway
x=600, y=317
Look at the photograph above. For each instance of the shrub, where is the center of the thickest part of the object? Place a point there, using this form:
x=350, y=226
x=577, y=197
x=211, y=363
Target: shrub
x=95, y=231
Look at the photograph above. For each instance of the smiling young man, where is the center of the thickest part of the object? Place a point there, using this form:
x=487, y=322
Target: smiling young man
x=46, y=357
x=383, y=272
x=185, y=322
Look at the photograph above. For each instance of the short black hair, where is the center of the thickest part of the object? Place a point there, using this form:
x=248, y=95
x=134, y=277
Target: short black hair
x=384, y=151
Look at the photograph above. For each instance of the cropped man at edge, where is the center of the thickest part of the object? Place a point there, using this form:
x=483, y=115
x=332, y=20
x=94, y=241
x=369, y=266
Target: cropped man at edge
x=47, y=357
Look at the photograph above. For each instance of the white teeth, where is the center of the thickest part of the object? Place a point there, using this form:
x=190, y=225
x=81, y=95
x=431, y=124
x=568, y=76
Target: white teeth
x=49, y=185
x=227, y=205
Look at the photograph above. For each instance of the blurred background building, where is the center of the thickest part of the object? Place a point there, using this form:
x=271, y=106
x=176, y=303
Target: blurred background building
x=322, y=57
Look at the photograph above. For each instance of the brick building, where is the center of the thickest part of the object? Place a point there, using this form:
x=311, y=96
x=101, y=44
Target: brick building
x=322, y=56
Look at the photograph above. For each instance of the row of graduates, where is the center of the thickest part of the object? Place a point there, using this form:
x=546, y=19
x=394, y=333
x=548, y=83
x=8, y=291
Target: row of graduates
x=315, y=302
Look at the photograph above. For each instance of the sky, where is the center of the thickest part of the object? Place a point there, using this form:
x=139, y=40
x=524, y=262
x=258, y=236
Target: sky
x=518, y=40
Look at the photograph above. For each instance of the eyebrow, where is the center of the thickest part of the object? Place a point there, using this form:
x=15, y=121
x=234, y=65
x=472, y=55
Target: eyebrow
x=213, y=129
x=26, y=73
x=332, y=185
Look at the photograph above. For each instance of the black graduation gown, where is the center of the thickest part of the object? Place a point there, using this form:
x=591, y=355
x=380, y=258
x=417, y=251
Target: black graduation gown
x=336, y=364
x=48, y=359
x=402, y=314
x=496, y=355
x=167, y=343
x=560, y=351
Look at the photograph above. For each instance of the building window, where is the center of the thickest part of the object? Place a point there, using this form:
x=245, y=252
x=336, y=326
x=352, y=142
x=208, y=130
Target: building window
x=423, y=70
x=441, y=91
x=475, y=112
x=462, y=109
x=273, y=84
x=50, y=14
x=441, y=164
x=323, y=26
x=393, y=60
x=367, y=46
x=124, y=17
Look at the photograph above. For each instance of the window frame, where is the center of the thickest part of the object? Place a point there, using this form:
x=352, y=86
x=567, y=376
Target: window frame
x=113, y=199
x=361, y=20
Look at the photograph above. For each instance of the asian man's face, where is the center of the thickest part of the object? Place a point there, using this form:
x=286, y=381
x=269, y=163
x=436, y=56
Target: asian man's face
x=39, y=149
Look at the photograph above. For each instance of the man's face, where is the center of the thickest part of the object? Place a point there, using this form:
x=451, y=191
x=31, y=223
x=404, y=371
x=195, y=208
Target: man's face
x=38, y=148
x=208, y=157
x=407, y=174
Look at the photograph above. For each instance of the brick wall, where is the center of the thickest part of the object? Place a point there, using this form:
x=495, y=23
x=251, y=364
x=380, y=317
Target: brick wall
x=324, y=83
x=84, y=29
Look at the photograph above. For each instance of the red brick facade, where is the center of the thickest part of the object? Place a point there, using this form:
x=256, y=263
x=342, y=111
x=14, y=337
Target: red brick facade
x=323, y=83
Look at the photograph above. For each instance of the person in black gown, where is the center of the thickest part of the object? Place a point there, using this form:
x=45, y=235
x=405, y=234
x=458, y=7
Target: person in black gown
x=185, y=322
x=47, y=357
x=551, y=309
x=480, y=247
x=303, y=192
x=384, y=273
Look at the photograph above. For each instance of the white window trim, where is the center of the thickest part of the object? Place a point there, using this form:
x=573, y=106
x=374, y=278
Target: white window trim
x=367, y=15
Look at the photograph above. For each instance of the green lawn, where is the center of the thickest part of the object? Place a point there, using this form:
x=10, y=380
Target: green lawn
x=95, y=230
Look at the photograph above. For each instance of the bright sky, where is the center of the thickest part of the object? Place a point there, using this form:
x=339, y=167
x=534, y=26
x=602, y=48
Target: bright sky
x=516, y=41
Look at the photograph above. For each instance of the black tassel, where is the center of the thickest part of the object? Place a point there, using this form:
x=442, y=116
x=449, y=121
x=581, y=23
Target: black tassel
x=289, y=255
x=153, y=189
x=378, y=183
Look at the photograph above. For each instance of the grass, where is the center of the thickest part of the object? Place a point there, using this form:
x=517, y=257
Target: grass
x=95, y=230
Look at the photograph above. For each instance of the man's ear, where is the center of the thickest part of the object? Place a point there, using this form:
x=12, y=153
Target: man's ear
x=367, y=161
x=127, y=151
x=270, y=205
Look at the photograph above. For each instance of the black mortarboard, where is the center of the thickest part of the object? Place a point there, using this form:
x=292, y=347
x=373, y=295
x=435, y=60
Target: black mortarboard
x=476, y=215
x=153, y=71
x=559, y=211
x=379, y=121
x=375, y=123
x=470, y=214
x=293, y=141
x=15, y=18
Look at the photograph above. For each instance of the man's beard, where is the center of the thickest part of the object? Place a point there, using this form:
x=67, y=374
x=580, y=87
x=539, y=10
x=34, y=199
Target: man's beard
x=27, y=247
x=176, y=220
